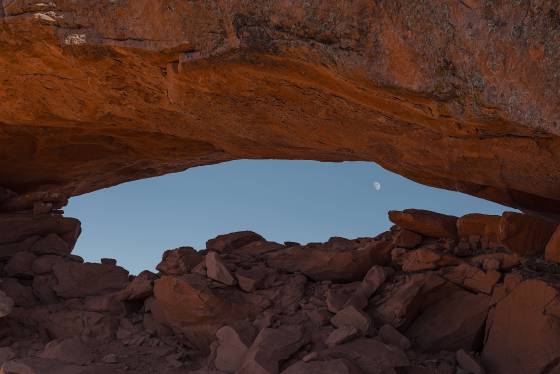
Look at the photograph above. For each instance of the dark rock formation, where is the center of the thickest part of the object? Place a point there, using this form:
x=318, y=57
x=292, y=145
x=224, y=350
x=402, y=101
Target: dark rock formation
x=455, y=94
x=246, y=305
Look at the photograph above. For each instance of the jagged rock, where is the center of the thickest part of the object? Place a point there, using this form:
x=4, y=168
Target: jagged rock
x=79, y=280
x=435, y=225
x=425, y=259
x=350, y=316
x=472, y=278
x=482, y=225
x=374, y=279
x=391, y=335
x=192, y=308
x=20, y=265
x=233, y=344
x=505, y=261
x=71, y=351
x=407, y=239
x=141, y=287
x=217, y=270
x=452, y=323
x=524, y=234
x=468, y=363
x=45, y=264
x=51, y=244
x=338, y=295
x=326, y=262
x=552, y=249
x=179, y=261
x=6, y=304
x=335, y=366
x=370, y=356
x=233, y=241
x=522, y=331
x=250, y=280
x=271, y=346
x=341, y=335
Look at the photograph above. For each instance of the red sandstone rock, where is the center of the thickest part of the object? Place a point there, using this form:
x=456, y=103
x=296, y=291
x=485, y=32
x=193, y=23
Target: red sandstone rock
x=350, y=316
x=522, y=332
x=327, y=263
x=524, y=234
x=425, y=259
x=20, y=265
x=10, y=249
x=472, y=278
x=78, y=280
x=270, y=347
x=552, y=249
x=22, y=295
x=482, y=225
x=217, y=270
x=452, y=323
x=18, y=227
x=140, y=288
x=51, y=244
x=179, y=261
x=233, y=344
x=407, y=239
x=341, y=335
x=233, y=241
x=468, y=363
x=427, y=223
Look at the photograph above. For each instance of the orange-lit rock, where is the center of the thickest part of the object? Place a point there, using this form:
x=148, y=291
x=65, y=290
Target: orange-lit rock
x=454, y=94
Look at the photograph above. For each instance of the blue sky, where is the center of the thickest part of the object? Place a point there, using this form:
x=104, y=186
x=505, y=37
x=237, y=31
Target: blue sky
x=303, y=201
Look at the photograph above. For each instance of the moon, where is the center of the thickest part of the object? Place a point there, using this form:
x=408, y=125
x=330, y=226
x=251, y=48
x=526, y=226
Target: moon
x=377, y=186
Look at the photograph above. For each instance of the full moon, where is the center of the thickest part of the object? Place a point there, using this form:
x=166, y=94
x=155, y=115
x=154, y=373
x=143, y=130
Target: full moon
x=377, y=186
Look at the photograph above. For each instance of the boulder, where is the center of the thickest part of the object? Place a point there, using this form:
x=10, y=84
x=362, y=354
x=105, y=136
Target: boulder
x=51, y=244
x=407, y=239
x=71, y=351
x=350, y=316
x=233, y=344
x=21, y=294
x=20, y=265
x=552, y=249
x=452, y=323
x=522, y=332
x=179, y=261
x=524, y=234
x=472, y=278
x=6, y=354
x=43, y=288
x=217, y=270
x=270, y=348
x=40, y=366
x=75, y=279
x=435, y=225
x=326, y=262
x=45, y=264
x=483, y=225
x=425, y=259
x=233, y=241
x=141, y=287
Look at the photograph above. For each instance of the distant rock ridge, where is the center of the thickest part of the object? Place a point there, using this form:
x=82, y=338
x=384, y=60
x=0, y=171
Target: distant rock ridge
x=435, y=294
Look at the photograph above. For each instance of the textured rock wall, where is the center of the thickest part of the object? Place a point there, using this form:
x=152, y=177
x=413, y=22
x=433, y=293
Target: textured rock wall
x=456, y=94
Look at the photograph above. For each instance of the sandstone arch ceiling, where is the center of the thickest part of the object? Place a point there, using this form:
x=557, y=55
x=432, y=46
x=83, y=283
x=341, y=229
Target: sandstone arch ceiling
x=461, y=95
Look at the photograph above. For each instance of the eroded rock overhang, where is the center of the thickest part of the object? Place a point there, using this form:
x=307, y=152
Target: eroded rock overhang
x=461, y=95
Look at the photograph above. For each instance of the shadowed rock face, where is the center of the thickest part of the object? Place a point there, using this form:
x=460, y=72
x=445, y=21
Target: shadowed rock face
x=455, y=94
